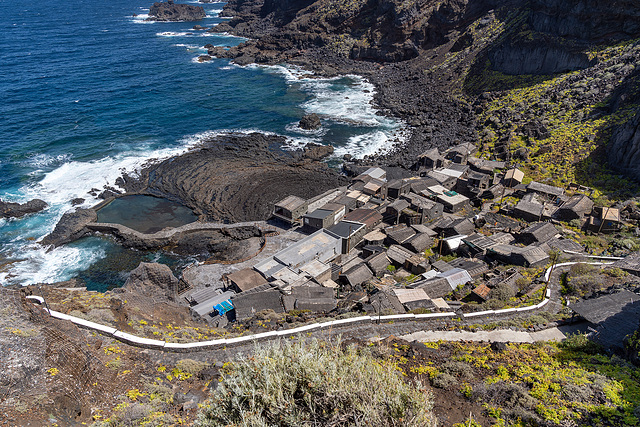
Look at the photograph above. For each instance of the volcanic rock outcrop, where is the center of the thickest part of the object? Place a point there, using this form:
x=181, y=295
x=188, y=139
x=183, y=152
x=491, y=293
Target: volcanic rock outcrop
x=170, y=11
x=18, y=210
x=71, y=227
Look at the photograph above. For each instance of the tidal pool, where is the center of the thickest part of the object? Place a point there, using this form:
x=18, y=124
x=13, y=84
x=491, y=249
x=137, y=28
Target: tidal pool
x=146, y=214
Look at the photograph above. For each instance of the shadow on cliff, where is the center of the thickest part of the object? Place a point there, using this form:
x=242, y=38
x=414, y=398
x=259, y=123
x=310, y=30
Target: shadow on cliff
x=610, y=167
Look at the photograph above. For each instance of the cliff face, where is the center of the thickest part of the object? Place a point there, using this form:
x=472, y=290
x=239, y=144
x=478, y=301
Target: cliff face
x=624, y=148
x=545, y=36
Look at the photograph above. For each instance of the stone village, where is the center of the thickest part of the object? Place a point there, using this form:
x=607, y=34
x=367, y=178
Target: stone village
x=464, y=234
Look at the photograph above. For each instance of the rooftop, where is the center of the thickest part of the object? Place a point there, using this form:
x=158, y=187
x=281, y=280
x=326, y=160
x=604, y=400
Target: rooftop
x=291, y=203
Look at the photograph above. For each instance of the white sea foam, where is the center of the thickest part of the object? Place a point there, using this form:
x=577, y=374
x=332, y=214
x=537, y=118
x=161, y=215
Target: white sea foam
x=40, y=160
x=142, y=19
x=40, y=265
x=189, y=46
x=174, y=34
x=73, y=179
x=345, y=99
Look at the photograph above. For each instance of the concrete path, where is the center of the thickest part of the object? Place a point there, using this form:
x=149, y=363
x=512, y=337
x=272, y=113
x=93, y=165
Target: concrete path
x=497, y=335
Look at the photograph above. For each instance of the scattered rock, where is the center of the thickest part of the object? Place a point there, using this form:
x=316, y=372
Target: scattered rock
x=77, y=201
x=310, y=122
x=317, y=152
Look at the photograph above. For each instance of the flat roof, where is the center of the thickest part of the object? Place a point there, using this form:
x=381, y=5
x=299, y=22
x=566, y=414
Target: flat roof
x=345, y=228
x=377, y=173
x=319, y=214
x=320, y=244
x=291, y=203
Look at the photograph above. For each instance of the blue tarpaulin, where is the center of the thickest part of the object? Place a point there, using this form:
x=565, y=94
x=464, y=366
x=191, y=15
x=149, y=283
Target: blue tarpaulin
x=223, y=307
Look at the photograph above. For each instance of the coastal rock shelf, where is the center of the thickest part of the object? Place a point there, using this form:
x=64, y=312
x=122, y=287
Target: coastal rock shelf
x=235, y=177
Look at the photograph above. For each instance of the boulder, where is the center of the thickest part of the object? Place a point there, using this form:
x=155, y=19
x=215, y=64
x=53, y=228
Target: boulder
x=171, y=11
x=71, y=227
x=317, y=152
x=18, y=210
x=153, y=279
x=310, y=122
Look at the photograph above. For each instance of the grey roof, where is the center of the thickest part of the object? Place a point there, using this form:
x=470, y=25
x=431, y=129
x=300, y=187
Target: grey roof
x=597, y=310
x=456, y=276
x=378, y=263
x=398, y=183
x=615, y=314
x=291, y=203
x=312, y=292
x=345, y=229
x=631, y=263
x=535, y=255
x=398, y=205
x=401, y=234
x=382, y=301
x=421, y=228
x=435, y=288
x=494, y=220
x=545, y=189
x=201, y=295
x=479, y=242
x=565, y=245
x=441, y=266
x=269, y=267
x=539, y=232
x=418, y=243
x=503, y=238
x=461, y=226
x=357, y=274
x=529, y=208
x=579, y=203
x=315, y=268
x=398, y=254
x=418, y=201
x=433, y=153
x=376, y=173
x=320, y=245
x=319, y=214
x=473, y=267
x=248, y=305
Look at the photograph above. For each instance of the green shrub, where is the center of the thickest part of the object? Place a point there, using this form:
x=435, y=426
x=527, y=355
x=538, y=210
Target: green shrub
x=581, y=268
x=193, y=367
x=298, y=384
x=580, y=343
x=615, y=272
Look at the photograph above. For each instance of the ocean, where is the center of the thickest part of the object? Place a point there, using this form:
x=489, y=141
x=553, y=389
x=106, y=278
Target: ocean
x=89, y=90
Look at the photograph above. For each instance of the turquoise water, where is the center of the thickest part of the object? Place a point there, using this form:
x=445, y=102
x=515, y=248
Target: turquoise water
x=89, y=90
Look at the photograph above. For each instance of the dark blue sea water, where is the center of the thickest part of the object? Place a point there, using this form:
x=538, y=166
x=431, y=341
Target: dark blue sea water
x=88, y=90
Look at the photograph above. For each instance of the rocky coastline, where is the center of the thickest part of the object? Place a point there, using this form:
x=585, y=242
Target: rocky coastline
x=436, y=64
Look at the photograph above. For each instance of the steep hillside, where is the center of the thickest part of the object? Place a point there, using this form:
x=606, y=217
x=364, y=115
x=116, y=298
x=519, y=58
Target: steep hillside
x=545, y=81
